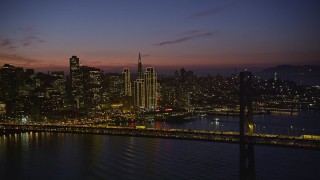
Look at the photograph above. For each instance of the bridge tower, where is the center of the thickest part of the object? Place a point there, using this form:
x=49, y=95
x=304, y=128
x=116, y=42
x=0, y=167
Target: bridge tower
x=247, y=167
x=246, y=112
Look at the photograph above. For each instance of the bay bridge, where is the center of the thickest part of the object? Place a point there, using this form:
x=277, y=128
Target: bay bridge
x=304, y=141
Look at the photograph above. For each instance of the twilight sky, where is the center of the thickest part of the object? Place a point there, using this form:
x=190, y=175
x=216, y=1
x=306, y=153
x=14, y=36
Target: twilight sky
x=195, y=34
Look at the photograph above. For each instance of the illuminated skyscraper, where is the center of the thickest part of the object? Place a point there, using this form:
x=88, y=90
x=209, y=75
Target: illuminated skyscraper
x=140, y=75
x=145, y=88
x=91, y=87
x=2, y=111
x=127, y=82
x=139, y=93
x=59, y=82
x=74, y=68
x=76, y=81
x=150, y=82
x=12, y=90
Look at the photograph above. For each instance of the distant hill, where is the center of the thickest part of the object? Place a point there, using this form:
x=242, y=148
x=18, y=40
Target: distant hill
x=289, y=69
x=307, y=74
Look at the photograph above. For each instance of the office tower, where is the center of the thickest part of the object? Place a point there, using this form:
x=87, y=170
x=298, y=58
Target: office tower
x=31, y=80
x=114, y=85
x=2, y=111
x=150, y=82
x=127, y=82
x=139, y=94
x=57, y=92
x=12, y=89
x=59, y=82
x=140, y=75
x=74, y=66
x=76, y=81
x=91, y=87
x=29, y=72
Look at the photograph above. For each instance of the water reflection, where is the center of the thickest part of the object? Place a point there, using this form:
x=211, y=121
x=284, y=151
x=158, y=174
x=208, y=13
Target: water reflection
x=305, y=123
x=247, y=163
x=84, y=156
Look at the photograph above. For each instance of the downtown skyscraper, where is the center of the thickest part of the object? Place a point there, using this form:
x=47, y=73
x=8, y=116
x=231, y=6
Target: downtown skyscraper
x=145, y=88
x=85, y=84
x=139, y=93
x=127, y=82
x=76, y=81
x=150, y=83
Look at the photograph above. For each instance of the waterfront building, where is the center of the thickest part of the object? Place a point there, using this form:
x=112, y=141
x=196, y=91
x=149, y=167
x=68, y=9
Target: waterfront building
x=2, y=110
x=12, y=89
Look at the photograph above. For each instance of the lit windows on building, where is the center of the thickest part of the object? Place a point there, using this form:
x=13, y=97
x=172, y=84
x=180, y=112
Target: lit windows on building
x=150, y=82
x=127, y=82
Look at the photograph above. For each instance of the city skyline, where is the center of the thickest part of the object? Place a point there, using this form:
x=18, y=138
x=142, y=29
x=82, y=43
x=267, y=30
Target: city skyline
x=196, y=35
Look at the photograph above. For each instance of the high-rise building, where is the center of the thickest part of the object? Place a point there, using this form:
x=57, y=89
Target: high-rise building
x=56, y=93
x=140, y=75
x=74, y=66
x=91, y=87
x=2, y=110
x=59, y=82
x=12, y=89
x=76, y=80
x=114, y=85
x=138, y=88
x=145, y=88
x=150, y=82
x=139, y=94
x=127, y=82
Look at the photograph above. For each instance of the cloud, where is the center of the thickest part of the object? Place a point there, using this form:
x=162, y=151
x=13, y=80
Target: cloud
x=190, y=32
x=193, y=35
x=96, y=62
x=31, y=40
x=26, y=41
x=13, y=48
x=29, y=30
x=17, y=60
x=209, y=12
x=145, y=55
x=5, y=42
x=30, y=37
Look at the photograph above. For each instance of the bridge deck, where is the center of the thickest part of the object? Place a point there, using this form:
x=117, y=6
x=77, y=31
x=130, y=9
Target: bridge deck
x=311, y=142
